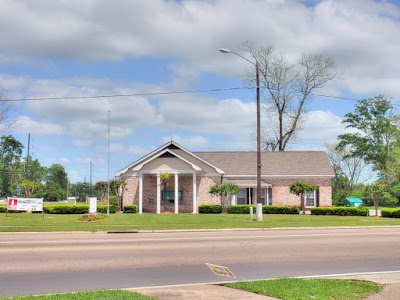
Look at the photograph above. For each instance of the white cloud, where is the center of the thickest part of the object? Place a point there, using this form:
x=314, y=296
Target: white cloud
x=320, y=128
x=25, y=124
x=360, y=35
x=193, y=142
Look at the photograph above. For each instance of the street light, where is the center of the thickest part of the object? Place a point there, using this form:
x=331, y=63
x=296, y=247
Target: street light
x=259, y=203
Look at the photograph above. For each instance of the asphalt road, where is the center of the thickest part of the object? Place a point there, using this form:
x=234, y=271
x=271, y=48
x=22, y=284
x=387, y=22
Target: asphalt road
x=37, y=263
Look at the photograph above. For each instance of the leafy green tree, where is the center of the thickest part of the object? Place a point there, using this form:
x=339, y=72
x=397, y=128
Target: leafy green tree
x=34, y=171
x=117, y=187
x=164, y=178
x=376, y=134
x=10, y=163
x=101, y=189
x=56, y=183
x=225, y=192
x=81, y=190
x=300, y=188
x=30, y=187
x=374, y=192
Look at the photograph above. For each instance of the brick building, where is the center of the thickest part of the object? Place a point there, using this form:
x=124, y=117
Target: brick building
x=192, y=173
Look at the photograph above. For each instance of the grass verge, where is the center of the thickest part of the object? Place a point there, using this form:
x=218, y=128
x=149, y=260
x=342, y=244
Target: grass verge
x=91, y=295
x=25, y=222
x=302, y=289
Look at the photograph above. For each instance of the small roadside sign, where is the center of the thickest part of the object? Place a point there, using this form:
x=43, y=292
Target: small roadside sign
x=221, y=270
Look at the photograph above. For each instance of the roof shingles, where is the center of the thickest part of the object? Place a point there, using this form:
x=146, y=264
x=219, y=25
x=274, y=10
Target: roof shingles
x=285, y=163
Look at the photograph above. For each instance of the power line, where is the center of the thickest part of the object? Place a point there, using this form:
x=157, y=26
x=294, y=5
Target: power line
x=166, y=93
x=126, y=95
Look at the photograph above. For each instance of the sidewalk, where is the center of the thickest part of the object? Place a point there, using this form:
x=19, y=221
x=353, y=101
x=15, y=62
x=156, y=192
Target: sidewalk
x=391, y=290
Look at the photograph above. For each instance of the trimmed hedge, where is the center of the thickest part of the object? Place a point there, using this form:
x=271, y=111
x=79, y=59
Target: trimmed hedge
x=103, y=209
x=210, y=209
x=76, y=209
x=390, y=212
x=267, y=209
x=281, y=210
x=130, y=209
x=240, y=209
x=3, y=209
x=339, y=211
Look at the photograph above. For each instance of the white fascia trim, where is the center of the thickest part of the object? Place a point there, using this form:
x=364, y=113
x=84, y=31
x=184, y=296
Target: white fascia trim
x=212, y=174
x=127, y=175
x=179, y=172
x=124, y=170
x=194, y=166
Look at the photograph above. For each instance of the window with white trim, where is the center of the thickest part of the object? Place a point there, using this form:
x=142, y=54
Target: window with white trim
x=241, y=196
x=310, y=199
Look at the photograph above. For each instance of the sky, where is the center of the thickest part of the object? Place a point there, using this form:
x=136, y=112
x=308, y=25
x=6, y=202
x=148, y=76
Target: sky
x=69, y=50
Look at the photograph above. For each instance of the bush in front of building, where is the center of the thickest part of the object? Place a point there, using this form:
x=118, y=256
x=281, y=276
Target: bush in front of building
x=130, y=209
x=267, y=209
x=281, y=210
x=240, y=209
x=339, y=211
x=66, y=209
x=103, y=209
x=76, y=209
x=390, y=212
x=210, y=209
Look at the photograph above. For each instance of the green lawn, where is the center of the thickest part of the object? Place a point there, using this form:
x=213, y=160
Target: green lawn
x=28, y=222
x=92, y=295
x=306, y=289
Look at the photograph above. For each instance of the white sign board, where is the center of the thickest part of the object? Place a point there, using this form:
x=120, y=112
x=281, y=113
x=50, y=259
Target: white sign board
x=92, y=205
x=25, y=204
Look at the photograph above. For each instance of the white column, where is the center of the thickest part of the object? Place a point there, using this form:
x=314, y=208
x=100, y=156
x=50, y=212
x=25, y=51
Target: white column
x=176, y=201
x=194, y=193
x=158, y=194
x=233, y=200
x=140, y=193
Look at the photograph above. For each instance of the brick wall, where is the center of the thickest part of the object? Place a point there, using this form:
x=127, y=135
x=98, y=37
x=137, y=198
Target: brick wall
x=280, y=192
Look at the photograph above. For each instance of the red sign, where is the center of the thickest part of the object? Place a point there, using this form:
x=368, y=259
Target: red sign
x=12, y=203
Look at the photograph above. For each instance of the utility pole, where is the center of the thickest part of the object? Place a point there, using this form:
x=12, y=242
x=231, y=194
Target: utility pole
x=91, y=183
x=27, y=165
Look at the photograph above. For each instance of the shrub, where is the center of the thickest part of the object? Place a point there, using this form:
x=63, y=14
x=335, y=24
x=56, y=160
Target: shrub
x=103, y=208
x=339, y=211
x=3, y=209
x=66, y=209
x=210, y=209
x=240, y=209
x=267, y=209
x=76, y=209
x=130, y=209
x=391, y=212
x=283, y=210
x=114, y=200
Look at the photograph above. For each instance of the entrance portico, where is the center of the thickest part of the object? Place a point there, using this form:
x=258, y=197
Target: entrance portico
x=179, y=195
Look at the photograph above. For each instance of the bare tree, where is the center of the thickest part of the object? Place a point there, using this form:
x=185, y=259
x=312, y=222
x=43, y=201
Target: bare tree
x=5, y=109
x=349, y=171
x=288, y=88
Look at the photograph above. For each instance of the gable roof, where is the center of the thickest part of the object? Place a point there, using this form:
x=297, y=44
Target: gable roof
x=282, y=163
x=244, y=163
x=177, y=151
